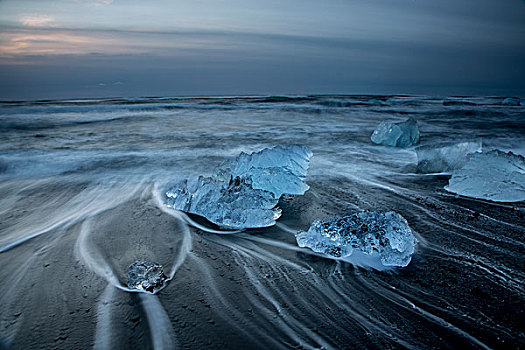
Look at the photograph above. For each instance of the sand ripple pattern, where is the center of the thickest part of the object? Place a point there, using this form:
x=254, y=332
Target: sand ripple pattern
x=81, y=198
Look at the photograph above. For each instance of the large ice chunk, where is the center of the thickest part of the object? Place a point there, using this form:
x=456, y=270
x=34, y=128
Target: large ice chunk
x=445, y=157
x=385, y=233
x=234, y=205
x=244, y=192
x=496, y=176
x=403, y=134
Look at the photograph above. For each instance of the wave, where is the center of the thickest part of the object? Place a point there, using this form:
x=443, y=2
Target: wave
x=158, y=104
x=79, y=203
x=8, y=124
x=259, y=285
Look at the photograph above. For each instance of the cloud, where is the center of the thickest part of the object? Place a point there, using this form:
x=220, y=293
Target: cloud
x=61, y=41
x=37, y=21
x=101, y=2
x=42, y=43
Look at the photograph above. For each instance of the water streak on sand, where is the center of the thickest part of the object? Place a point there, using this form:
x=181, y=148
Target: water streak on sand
x=103, y=331
x=81, y=198
x=159, y=323
x=65, y=211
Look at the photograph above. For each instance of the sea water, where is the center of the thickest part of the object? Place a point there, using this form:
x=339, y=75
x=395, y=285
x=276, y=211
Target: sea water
x=81, y=198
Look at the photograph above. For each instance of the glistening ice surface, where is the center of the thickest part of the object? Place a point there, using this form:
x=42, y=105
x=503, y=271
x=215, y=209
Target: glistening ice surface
x=82, y=198
x=146, y=275
x=445, y=157
x=402, y=134
x=244, y=192
x=279, y=170
x=495, y=176
x=387, y=234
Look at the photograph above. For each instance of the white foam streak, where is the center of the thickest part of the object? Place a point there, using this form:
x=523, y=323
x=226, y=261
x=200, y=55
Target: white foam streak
x=357, y=258
x=87, y=203
x=94, y=260
x=407, y=304
x=90, y=255
x=159, y=323
x=103, y=331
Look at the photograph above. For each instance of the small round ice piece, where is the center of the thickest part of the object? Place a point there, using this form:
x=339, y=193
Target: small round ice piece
x=146, y=275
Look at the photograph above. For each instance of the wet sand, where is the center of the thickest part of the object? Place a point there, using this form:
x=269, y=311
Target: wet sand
x=257, y=289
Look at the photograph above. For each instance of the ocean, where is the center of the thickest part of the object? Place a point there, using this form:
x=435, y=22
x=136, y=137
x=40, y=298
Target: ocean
x=82, y=184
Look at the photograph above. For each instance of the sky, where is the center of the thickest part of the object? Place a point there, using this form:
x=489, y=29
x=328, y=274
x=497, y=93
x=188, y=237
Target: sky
x=101, y=48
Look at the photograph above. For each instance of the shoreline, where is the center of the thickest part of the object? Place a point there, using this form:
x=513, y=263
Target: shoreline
x=234, y=291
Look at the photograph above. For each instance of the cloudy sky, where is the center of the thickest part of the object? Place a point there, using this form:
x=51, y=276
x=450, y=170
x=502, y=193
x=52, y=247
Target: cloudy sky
x=96, y=48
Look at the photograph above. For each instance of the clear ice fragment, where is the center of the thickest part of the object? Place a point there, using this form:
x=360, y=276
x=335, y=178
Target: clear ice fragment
x=496, y=176
x=444, y=157
x=278, y=170
x=234, y=205
x=146, y=275
x=384, y=233
x=404, y=134
x=244, y=192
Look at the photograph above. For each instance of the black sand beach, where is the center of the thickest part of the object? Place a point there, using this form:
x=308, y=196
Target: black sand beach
x=81, y=199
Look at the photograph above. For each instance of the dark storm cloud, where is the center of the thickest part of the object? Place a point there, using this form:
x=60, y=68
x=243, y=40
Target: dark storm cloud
x=261, y=64
x=354, y=47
